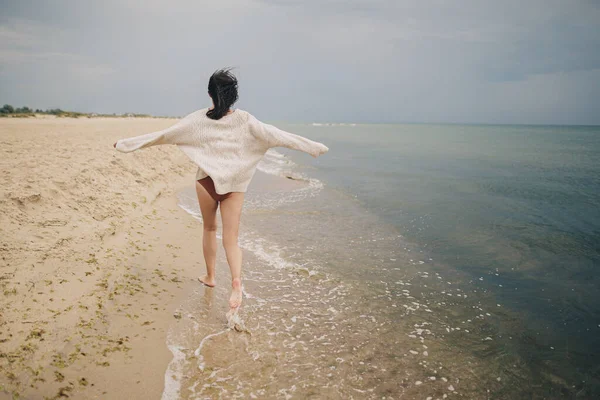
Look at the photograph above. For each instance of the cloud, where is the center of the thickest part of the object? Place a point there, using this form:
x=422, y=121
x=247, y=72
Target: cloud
x=29, y=51
x=353, y=60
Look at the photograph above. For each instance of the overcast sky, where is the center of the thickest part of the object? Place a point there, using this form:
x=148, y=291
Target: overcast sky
x=508, y=61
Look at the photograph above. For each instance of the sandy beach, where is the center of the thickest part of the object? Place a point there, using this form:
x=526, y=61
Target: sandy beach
x=91, y=265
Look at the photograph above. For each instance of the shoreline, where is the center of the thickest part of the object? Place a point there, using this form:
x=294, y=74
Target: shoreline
x=91, y=269
x=98, y=267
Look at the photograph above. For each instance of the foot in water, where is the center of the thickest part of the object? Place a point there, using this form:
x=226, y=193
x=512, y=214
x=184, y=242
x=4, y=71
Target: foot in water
x=236, y=293
x=210, y=282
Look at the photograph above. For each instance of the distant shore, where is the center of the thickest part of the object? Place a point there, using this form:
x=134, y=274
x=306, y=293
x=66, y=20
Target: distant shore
x=69, y=114
x=8, y=111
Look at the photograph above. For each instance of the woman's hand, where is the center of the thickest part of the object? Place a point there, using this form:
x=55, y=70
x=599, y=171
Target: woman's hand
x=322, y=150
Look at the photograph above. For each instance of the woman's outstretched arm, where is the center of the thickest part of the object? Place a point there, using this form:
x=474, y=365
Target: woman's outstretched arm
x=176, y=134
x=275, y=137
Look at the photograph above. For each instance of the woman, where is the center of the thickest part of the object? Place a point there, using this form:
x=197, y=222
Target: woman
x=226, y=145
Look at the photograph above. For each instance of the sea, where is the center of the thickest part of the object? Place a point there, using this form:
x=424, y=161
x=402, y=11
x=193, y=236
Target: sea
x=411, y=261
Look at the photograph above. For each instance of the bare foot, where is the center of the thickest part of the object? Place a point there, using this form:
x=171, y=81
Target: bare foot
x=210, y=282
x=236, y=293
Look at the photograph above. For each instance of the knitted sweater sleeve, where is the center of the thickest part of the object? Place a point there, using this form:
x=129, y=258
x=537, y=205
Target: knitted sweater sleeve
x=179, y=134
x=275, y=137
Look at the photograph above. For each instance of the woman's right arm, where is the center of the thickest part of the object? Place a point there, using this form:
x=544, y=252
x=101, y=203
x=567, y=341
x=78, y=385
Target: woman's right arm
x=178, y=134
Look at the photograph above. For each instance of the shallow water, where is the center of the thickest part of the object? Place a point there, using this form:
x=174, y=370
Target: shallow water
x=411, y=261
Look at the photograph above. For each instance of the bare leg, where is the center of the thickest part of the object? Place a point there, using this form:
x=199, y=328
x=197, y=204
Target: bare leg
x=231, y=211
x=208, y=207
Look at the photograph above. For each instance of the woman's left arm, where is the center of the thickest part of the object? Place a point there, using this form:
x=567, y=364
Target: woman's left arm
x=275, y=137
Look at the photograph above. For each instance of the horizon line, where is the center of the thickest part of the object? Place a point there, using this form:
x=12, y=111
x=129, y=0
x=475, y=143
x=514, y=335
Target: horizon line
x=342, y=123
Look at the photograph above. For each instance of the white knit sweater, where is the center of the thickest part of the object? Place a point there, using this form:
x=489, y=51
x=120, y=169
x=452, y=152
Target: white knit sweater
x=228, y=149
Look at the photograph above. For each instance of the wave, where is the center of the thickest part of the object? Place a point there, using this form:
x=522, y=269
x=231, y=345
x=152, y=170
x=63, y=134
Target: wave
x=332, y=124
x=277, y=164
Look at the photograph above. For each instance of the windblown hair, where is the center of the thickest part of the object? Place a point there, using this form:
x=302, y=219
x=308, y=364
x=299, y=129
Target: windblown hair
x=223, y=89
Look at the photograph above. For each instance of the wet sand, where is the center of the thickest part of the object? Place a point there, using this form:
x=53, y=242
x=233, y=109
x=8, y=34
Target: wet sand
x=95, y=256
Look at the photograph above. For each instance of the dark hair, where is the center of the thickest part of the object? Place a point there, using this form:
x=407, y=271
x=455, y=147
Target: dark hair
x=223, y=89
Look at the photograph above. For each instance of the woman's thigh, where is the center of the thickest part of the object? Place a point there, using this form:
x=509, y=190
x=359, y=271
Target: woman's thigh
x=208, y=207
x=231, y=212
